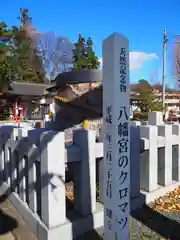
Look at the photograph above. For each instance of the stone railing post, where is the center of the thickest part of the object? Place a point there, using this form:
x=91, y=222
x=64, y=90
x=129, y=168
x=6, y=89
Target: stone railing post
x=101, y=180
x=176, y=154
x=53, y=201
x=14, y=159
x=155, y=118
x=134, y=165
x=33, y=156
x=85, y=175
x=165, y=156
x=21, y=173
x=33, y=165
x=149, y=160
x=7, y=160
x=136, y=123
x=2, y=167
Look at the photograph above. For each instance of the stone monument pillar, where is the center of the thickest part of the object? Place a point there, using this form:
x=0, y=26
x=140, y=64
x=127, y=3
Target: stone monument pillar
x=116, y=129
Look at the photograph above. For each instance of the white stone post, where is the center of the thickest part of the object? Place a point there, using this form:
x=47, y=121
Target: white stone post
x=85, y=175
x=1, y=159
x=33, y=156
x=7, y=163
x=135, y=166
x=176, y=154
x=165, y=156
x=149, y=160
x=6, y=134
x=101, y=181
x=33, y=160
x=21, y=186
x=116, y=109
x=136, y=123
x=53, y=202
x=14, y=159
x=155, y=118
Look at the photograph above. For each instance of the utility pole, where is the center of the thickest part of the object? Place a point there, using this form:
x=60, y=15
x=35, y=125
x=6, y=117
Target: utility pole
x=164, y=69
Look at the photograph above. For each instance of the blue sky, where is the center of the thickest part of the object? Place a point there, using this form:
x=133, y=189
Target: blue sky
x=142, y=22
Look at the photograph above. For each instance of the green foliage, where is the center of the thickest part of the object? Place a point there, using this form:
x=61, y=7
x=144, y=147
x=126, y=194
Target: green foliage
x=147, y=100
x=29, y=63
x=6, y=69
x=84, y=56
x=5, y=36
x=19, y=59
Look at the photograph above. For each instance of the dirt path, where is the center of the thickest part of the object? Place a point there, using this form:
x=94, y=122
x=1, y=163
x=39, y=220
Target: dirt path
x=12, y=226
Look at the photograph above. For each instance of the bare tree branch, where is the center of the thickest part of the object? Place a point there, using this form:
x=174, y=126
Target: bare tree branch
x=177, y=57
x=57, y=53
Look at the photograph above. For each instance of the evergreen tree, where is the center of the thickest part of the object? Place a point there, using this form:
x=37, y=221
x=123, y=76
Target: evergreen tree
x=6, y=68
x=92, y=59
x=19, y=59
x=5, y=35
x=84, y=56
x=147, y=100
x=25, y=57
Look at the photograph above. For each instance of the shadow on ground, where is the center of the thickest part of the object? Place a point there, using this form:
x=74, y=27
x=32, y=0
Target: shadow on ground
x=157, y=222
x=93, y=235
x=146, y=224
x=7, y=223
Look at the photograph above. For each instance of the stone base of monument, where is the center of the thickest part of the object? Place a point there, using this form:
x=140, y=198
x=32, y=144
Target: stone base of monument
x=137, y=202
x=77, y=225
x=159, y=192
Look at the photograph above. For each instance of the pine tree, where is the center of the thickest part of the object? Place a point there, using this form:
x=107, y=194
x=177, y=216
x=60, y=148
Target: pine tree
x=79, y=53
x=28, y=62
x=5, y=34
x=92, y=59
x=6, y=68
x=147, y=100
x=84, y=56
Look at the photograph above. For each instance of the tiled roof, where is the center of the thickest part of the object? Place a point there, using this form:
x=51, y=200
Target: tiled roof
x=28, y=89
x=82, y=76
x=85, y=106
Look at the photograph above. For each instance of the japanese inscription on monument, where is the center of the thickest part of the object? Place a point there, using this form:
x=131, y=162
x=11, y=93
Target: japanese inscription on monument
x=116, y=137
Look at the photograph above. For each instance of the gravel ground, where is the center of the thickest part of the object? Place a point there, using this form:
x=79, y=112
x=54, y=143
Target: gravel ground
x=147, y=224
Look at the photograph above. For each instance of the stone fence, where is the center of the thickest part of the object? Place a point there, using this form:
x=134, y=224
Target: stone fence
x=34, y=165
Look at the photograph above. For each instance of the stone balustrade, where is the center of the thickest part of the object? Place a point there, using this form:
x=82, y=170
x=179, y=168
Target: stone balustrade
x=34, y=164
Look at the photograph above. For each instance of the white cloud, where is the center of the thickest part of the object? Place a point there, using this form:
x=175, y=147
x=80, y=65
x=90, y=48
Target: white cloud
x=100, y=60
x=137, y=59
